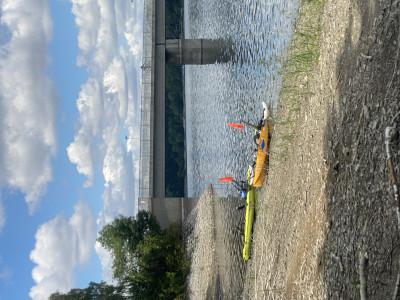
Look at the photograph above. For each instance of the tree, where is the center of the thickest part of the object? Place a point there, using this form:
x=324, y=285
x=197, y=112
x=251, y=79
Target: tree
x=163, y=264
x=153, y=263
x=121, y=238
x=95, y=291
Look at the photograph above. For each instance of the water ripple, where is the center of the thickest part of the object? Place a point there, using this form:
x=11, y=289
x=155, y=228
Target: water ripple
x=216, y=94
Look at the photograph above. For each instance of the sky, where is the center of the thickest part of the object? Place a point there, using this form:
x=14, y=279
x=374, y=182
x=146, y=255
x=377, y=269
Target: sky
x=69, y=93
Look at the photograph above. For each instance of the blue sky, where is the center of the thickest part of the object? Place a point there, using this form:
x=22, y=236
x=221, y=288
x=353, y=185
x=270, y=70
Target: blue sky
x=69, y=92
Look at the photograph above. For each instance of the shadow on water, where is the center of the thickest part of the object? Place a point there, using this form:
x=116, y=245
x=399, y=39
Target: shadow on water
x=360, y=211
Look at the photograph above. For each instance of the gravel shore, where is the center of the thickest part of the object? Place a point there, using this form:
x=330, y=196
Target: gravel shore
x=214, y=243
x=198, y=230
x=329, y=202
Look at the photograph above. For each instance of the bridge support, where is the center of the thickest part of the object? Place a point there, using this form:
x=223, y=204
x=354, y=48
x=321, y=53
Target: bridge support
x=157, y=52
x=168, y=210
x=196, y=51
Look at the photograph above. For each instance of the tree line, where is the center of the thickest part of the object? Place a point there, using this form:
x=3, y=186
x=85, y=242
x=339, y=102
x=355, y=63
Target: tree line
x=148, y=262
x=175, y=136
x=174, y=131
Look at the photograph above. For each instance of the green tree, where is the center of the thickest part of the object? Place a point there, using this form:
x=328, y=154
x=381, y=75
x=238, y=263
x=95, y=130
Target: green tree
x=122, y=236
x=95, y=291
x=149, y=263
x=163, y=265
x=177, y=265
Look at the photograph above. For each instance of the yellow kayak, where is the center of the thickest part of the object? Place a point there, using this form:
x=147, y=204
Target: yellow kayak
x=262, y=156
x=252, y=201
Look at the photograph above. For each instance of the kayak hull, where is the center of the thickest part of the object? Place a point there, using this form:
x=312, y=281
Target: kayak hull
x=262, y=156
x=251, y=209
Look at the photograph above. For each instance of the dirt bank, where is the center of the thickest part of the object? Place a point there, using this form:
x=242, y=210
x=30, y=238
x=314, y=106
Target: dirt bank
x=329, y=198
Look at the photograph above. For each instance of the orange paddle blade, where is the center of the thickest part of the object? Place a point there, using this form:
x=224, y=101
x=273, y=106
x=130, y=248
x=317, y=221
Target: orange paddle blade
x=238, y=126
x=228, y=179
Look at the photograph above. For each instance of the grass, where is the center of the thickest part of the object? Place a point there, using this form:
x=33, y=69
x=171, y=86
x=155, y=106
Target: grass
x=287, y=202
x=272, y=290
x=296, y=89
x=297, y=71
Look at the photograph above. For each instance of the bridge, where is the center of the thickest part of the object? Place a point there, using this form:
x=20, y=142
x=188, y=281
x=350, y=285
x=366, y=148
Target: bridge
x=157, y=52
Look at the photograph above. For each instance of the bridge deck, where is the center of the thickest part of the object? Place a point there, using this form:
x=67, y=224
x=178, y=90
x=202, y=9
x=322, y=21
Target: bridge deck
x=152, y=129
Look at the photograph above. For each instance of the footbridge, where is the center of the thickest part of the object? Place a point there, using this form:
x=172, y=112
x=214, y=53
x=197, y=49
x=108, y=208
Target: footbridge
x=157, y=52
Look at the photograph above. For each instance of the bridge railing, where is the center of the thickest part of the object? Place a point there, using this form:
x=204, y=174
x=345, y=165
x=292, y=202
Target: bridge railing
x=147, y=106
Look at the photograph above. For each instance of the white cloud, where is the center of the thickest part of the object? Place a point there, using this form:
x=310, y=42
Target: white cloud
x=87, y=18
x=106, y=262
x=110, y=38
x=62, y=245
x=109, y=86
x=6, y=274
x=136, y=45
x=90, y=106
x=119, y=189
x=118, y=170
x=28, y=100
x=80, y=152
x=115, y=84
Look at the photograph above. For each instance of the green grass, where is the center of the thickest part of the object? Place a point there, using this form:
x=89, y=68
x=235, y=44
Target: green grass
x=297, y=71
x=272, y=290
x=287, y=202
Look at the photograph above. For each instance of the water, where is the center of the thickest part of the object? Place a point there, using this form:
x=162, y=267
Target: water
x=260, y=32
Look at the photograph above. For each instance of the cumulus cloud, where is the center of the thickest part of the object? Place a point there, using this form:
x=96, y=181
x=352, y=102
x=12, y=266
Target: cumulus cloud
x=61, y=245
x=28, y=100
x=87, y=18
x=118, y=196
x=81, y=150
x=136, y=45
x=109, y=95
x=110, y=39
x=118, y=170
x=115, y=84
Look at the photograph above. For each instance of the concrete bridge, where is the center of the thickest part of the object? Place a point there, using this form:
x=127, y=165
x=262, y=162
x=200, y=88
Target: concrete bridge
x=157, y=52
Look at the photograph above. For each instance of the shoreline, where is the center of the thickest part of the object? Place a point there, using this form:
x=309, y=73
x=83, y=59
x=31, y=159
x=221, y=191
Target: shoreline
x=214, y=247
x=328, y=197
x=321, y=196
x=199, y=240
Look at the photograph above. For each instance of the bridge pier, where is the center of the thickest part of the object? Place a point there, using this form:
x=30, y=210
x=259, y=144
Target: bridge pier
x=196, y=51
x=157, y=51
x=168, y=210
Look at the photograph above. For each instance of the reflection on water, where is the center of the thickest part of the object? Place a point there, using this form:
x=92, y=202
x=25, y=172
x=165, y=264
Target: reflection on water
x=260, y=32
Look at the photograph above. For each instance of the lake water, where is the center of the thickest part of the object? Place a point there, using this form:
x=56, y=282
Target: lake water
x=260, y=32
